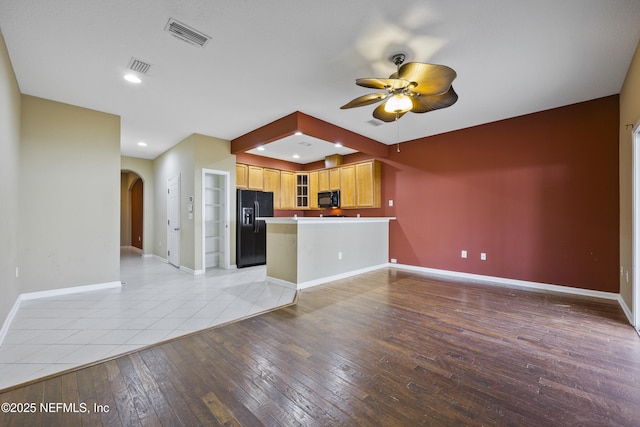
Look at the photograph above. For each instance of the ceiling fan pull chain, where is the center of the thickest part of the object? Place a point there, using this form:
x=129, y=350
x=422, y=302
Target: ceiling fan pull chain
x=397, y=133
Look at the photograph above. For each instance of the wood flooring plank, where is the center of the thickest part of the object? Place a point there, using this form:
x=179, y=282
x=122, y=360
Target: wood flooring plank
x=109, y=415
x=175, y=396
x=123, y=400
x=303, y=382
x=144, y=403
x=183, y=388
x=389, y=347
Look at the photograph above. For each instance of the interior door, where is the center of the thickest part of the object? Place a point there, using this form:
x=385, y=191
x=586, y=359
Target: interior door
x=173, y=221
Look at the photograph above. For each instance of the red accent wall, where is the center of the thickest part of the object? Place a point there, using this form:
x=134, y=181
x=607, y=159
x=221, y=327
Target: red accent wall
x=537, y=193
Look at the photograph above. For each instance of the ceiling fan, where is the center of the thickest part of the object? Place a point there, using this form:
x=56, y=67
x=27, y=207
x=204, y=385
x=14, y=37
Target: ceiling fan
x=415, y=87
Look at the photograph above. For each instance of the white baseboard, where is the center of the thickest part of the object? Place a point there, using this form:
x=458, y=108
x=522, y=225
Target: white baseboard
x=159, y=258
x=71, y=290
x=626, y=309
x=281, y=282
x=7, y=321
x=50, y=293
x=493, y=280
x=190, y=271
x=316, y=282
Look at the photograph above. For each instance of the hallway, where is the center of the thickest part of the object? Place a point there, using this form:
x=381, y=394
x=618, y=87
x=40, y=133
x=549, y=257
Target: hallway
x=155, y=303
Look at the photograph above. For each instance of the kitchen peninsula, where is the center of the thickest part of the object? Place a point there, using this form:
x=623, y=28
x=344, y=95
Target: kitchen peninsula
x=306, y=251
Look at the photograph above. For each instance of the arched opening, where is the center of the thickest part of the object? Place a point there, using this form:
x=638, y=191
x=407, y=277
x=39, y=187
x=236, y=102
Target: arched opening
x=136, y=213
x=131, y=210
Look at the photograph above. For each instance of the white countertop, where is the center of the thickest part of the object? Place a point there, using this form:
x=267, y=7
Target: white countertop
x=323, y=220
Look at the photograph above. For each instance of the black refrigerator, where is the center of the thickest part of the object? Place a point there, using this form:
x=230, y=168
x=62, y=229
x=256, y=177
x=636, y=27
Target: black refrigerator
x=251, y=234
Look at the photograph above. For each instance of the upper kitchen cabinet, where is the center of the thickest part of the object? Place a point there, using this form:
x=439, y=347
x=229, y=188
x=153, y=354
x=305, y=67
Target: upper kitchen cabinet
x=271, y=179
x=334, y=179
x=348, y=187
x=287, y=190
x=241, y=176
x=313, y=189
x=323, y=180
x=359, y=184
x=256, y=178
x=368, y=181
x=302, y=190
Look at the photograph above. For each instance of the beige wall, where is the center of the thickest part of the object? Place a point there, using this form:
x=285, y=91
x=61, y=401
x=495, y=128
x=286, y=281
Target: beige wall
x=213, y=153
x=629, y=114
x=10, y=101
x=144, y=169
x=69, y=196
x=176, y=161
x=187, y=159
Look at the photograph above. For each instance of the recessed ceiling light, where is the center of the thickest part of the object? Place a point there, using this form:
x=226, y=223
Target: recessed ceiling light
x=338, y=144
x=298, y=133
x=142, y=144
x=132, y=78
x=260, y=148
x=295, y=156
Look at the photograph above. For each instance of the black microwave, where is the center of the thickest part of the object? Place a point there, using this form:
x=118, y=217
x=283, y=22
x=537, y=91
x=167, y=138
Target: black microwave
x=329, y=199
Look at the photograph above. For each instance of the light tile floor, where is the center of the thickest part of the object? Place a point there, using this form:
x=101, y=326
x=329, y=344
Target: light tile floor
x=156, y=302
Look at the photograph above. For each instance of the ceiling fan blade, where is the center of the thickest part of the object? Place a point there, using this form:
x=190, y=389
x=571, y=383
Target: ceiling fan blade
x=431, y=79
x=360, y=101
x=426, y=103
x=380, y=114
x=375, y=83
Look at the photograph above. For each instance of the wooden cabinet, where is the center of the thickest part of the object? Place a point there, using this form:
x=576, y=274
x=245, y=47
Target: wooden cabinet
x=359, y=185
x=302, y=190
x=241, y=176
x=313, y=190
x=334, y=179
x=368, y=184
x=256, y=178
x=323, y=180
x=287, y=190
x=272, y=183
x=348, y=186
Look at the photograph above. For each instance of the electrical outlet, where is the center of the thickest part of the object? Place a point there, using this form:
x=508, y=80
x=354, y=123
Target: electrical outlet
x=463, y=254
x=483, y=256
x=390, y=202
x=393, y=260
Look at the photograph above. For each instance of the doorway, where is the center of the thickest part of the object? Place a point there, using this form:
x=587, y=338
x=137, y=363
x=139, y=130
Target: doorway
x=215, y=219
x=173, y=223
x=131, y=210
x=137, y=190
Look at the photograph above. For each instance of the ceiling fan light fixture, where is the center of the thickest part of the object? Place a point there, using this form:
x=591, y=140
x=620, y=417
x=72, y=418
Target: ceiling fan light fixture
x=398, y=103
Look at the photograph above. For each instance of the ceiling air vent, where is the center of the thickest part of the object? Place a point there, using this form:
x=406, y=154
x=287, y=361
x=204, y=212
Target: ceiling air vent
x=374, y=122
x=139, y=66
x=185, y=33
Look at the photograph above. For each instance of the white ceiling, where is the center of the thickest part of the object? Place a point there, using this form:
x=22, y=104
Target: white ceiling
x=301, y=149
x=269, y=58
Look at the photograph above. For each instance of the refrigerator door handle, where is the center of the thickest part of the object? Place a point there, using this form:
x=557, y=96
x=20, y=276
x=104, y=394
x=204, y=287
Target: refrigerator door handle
x=256, y=214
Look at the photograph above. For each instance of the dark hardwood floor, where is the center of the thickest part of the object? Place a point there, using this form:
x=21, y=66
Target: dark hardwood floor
x=388, y=348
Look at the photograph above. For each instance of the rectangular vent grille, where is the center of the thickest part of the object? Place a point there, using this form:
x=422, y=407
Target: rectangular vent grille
x=375, y=122
x=185, y=33
x=139, y=66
